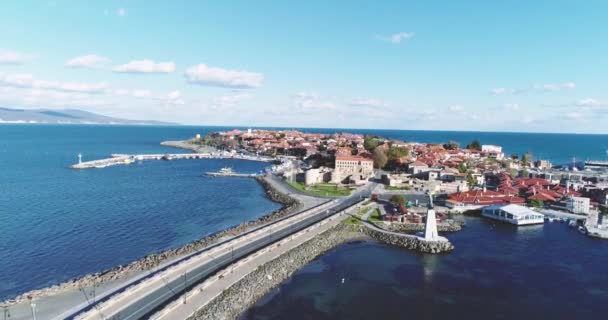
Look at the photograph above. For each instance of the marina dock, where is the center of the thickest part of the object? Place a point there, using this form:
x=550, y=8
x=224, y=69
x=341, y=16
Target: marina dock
x=125, y=159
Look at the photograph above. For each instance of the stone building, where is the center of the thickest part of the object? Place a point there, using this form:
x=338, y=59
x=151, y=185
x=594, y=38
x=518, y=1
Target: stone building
x=352, y=169
x=317, y=175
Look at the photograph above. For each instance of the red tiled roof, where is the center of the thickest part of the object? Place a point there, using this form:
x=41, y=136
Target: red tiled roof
x=418, y=164
x=478, y=197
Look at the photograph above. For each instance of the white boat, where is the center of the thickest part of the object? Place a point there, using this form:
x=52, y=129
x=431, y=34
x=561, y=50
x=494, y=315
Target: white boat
x=226, y=170
x=513, y=214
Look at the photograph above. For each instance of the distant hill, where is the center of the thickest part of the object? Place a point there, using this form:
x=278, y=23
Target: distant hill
x=65, y=116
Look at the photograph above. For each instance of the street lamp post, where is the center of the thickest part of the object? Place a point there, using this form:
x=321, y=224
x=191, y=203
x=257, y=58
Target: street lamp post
x=185, y=288
x=33, y=305
x=7, y=314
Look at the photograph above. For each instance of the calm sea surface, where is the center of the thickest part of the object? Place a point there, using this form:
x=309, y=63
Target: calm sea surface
x=57, y=223
x=496, y=272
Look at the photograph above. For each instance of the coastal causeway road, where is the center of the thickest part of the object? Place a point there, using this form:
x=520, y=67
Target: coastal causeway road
x=160, y=288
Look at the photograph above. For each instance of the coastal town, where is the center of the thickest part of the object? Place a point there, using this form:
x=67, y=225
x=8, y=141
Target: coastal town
x=476, y=178
x=334, y=189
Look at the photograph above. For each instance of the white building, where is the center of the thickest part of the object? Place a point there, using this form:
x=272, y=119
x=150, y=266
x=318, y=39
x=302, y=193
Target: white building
x=513, y=214
x=494, y=152
x=353, y=168
x=317, y=175
x=578, y=205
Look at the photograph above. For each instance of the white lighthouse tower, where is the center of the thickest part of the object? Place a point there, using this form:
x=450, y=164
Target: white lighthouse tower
x=430, y=228
x=79, y=158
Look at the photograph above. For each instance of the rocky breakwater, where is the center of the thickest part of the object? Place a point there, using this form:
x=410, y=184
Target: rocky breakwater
x=409, y=241
x=154, y=260
x=242, y=295
x=191, y=145
x=416, y=227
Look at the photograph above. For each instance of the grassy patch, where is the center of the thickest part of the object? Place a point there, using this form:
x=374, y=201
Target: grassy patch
x=321, y=190
x=356, y=219
x=396, y=188
x=353, y=220
x=375, y=216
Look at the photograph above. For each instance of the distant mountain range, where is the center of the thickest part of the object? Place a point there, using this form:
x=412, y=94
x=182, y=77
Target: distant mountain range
x=65, y=116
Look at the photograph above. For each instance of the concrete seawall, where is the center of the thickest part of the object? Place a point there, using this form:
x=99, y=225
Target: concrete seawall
x=242, y=295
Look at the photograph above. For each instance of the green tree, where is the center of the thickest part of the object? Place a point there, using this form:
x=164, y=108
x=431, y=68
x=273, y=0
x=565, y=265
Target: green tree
x=380, y=158
x=474, y=145
x=536, y=203
x=526, y=159
x=462, y=168
x=397, y=152
x=370, y=142
x=514, y=156
x=397, y=199
x=471, y=181
x=451, y=145
x=513, y=173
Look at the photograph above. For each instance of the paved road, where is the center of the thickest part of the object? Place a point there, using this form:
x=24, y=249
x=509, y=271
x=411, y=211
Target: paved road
x=135, y=305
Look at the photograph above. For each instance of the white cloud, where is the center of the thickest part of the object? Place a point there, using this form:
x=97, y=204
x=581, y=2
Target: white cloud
x=574, y=115
x=527, y=119
x=211, y=76
x=499, y=91
x=48, y=98
x=589, y=102
x=121, y=12
x=397, y=38
x=510, y=106
x=174, y=95
x=13, y=57
x=308, y=101
x=535, y=88
x=141, y=93
x=28, y=81
x=146, y=66
x=230, y=100
x=456, y=108
x=556, y=87
x=174, y=98
x=90, y=61
x=372, y=103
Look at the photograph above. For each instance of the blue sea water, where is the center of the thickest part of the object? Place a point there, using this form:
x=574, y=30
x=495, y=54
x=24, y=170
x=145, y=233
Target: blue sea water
x=495, y=272
x=57, y=223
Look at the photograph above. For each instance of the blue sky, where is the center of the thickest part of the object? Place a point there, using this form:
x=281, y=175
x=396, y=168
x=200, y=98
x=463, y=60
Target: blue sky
x=452, y=65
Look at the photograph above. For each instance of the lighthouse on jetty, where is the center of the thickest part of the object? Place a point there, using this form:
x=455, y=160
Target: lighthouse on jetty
x=430, y=228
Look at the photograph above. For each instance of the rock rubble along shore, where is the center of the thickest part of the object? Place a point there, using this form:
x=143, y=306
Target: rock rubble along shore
x=154, y=260
x=409, y=241
x=242, y=295
x=415, y=227
x=188, y=145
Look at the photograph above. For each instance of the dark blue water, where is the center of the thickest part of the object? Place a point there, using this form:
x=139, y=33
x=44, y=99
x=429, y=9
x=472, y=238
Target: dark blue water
x=57, y=223
x=495, y=272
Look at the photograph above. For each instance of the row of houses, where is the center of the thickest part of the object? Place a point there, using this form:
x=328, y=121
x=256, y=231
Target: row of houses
x=522, y=191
